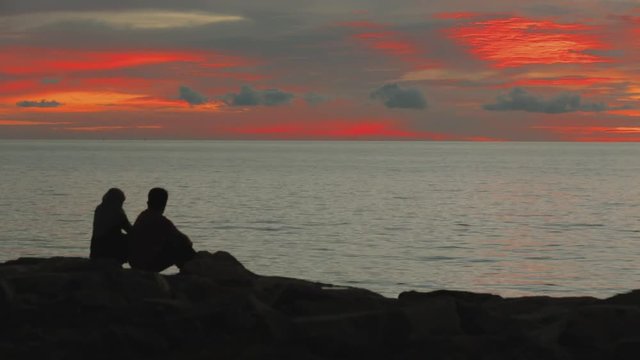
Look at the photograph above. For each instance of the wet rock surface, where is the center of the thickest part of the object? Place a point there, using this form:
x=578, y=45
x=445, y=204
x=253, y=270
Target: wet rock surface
x=75, y=308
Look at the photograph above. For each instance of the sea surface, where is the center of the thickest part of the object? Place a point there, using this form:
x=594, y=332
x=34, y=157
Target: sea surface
x=507, y=218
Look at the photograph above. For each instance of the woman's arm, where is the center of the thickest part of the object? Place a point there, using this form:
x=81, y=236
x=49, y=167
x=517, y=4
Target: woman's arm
x=126, y=225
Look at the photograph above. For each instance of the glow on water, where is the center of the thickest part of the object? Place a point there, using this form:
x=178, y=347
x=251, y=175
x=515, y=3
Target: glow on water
x=506, y=218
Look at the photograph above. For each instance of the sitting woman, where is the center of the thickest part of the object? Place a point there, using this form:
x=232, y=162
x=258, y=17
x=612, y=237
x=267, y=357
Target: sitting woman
x=109, y=220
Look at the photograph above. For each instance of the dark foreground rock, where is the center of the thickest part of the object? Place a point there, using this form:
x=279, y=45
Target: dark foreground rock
x=74, y=308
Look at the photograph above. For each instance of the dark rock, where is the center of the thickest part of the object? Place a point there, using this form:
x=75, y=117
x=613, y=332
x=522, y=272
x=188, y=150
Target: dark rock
x=366, y=334
x=631, y=298
x=197, y=289
x=469, y=297
x=538, y=305
x=220, y=266
x=309, y=299
x=58, y=264
x=627, y=349
x=594, y=332
x=75, y=308
x=433, y=317
x=472, y=316
x=137, y=285
x=7, y=295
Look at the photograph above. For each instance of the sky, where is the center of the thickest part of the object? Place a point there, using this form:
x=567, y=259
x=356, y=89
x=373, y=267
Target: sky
x=453, y=70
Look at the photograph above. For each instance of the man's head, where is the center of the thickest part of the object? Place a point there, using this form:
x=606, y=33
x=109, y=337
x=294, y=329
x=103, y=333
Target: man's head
x=157, y=199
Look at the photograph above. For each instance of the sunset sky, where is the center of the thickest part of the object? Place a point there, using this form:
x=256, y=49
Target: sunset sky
x=488, y=70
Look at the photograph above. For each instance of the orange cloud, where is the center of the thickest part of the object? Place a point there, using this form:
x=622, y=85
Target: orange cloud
x=520, y=41
x=596, y=133
x=81, y=88
x=80, y=100
x=626, y=112
x=566, y=81
x=88, y=101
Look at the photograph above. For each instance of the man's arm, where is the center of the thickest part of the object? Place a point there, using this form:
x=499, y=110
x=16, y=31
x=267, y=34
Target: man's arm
x=183, y=238
x=177, y=235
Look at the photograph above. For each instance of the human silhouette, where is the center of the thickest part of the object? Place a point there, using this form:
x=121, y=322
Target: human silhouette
x=156, y=243
x=109, y=220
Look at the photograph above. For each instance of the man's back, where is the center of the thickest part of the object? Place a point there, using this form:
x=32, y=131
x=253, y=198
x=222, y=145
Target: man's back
x=157, y=244
x=151, y=233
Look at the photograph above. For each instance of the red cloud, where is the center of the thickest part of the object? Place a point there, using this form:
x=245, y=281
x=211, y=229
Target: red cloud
x=393, y=43
x=28, y=123
x=13, y=87
x=33, y=61
x=520, y=41
x=94, y=129
x=388, y=42
x=336, y=129
x=456, y=15
x=86, y=88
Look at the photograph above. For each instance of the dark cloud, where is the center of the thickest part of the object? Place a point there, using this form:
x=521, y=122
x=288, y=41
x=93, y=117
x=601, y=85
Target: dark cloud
x=547, y=10
x=251, y=97
x=192, y=97
x=396, y=97
x=519, y=99
x=39, y=104
x=274, y=97
x=246, y=97
x=48, y=81
x=314, y=99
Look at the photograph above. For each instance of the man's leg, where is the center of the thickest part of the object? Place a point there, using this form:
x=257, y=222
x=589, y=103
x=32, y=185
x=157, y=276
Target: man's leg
x=163, y=260
x=183, y=253
x=173, y=254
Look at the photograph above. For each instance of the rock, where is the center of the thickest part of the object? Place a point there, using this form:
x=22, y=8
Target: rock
x=311, y=299
x=627, y=349
x=136, y=285
x=631, y=298
x=196, y=289
x=58, y=264
x=473, y=318
x=433, y=317
x=596, y=331
x=469, y=297
x=365, y=334
x=278, y=326
x=536, y=306
x=220, y=266
x=7, y=295
x=75, y=308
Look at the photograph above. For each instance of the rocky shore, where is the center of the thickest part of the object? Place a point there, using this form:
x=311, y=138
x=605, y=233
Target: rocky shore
x=75, y=308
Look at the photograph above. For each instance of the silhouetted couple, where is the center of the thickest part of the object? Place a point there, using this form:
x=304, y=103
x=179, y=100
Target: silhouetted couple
x=153, y=243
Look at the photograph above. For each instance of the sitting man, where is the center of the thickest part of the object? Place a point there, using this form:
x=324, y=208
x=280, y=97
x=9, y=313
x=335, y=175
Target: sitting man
x=156, y=243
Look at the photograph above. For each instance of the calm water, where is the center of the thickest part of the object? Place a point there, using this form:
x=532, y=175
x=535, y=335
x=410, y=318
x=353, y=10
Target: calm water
x=506, y=218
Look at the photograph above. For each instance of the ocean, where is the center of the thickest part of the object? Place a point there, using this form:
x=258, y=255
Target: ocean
x=509, y=218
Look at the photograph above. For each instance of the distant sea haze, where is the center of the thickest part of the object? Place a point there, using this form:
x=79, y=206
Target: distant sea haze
x=505, y=218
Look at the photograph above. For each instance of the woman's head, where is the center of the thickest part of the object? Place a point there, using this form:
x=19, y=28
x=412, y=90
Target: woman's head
x=113, y=197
